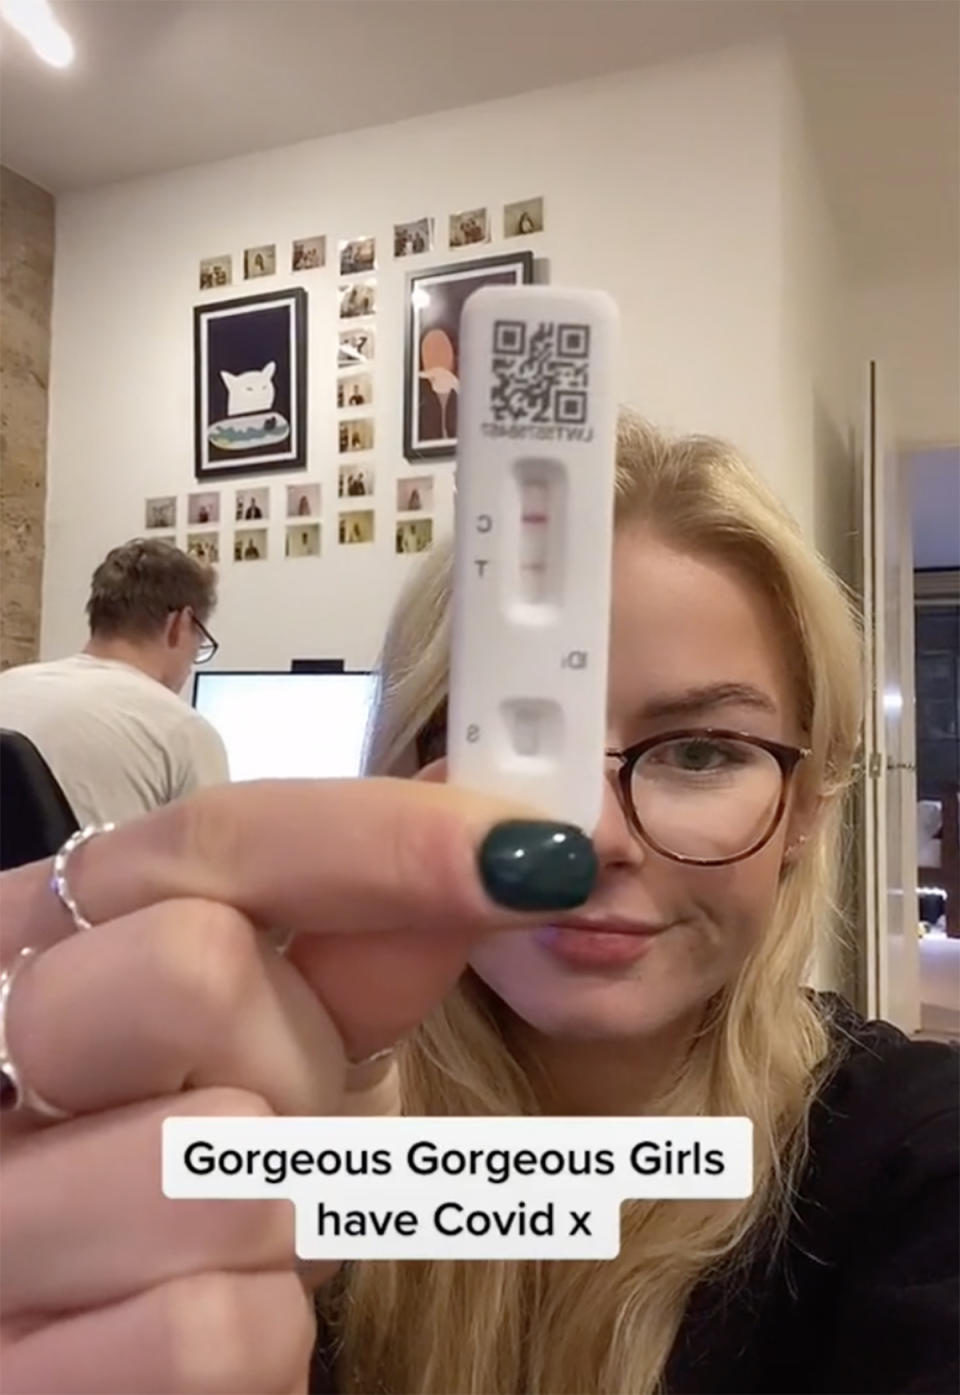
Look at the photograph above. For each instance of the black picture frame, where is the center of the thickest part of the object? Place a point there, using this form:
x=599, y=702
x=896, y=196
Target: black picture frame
x=253, y=348
x=429, y=417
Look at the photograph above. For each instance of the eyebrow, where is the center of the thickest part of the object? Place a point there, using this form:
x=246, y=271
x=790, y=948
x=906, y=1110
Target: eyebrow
x=431, y=740
x=695, y=701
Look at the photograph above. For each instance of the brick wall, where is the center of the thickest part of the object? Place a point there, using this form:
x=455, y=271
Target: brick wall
x=26, y=290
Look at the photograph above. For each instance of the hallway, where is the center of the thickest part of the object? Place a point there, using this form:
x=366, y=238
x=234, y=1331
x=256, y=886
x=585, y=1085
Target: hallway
x=940, y=987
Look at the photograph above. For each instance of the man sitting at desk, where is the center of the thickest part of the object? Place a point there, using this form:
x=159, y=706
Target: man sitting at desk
x=108, y=721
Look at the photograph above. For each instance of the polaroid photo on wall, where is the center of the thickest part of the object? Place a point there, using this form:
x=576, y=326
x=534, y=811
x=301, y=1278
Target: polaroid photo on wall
x=467, y=229
x=260, y=261
x=203, y=508
x=302, y=540
x=309, y=254
x=250, y=505
x=303, y=500
x=410, y=239
x=356, y=527
x=415, y=494
x=250, y=545
x=358, y=256
x=205, y=547
x=357, y=299
x=216, y=272
x=356, y=348
x=355, y=435
x=523, y=218
x=161, y=512
x=355, y=482
x=414, y=535
x=354, y=391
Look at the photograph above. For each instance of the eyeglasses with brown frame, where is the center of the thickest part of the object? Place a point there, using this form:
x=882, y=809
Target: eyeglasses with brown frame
x=696, y=789
x=703, y=796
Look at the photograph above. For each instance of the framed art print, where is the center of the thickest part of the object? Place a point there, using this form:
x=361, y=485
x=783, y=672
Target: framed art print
x=435, y=301
x=250, y=385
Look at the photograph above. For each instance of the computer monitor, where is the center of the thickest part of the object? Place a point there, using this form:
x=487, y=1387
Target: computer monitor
x=317, y=665
x=279, y=726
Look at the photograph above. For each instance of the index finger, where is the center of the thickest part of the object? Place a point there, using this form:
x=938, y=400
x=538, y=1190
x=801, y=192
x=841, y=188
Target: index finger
x=309, y=856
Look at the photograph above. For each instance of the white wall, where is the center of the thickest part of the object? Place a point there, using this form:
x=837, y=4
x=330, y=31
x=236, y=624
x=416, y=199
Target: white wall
x=820, y=393
x=822, y=389
x=665, y=187
x=912, y=326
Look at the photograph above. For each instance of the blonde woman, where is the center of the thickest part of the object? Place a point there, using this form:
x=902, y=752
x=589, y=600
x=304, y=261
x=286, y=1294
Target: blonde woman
x=657, y=968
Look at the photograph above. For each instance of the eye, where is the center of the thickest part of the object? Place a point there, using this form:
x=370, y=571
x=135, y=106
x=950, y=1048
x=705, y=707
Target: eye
x=696, y=755
x=699, y=755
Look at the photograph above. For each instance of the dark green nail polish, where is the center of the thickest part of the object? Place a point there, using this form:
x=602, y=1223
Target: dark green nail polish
x=533, y=866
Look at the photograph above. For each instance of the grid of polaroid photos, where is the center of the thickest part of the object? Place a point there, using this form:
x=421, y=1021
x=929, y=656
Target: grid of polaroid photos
x=305, y=254
x=245, y=517
x=472, y=227
x=356, y=258
x=414, y=522
x=209, y=513
x=355, y=262
x=356, y=437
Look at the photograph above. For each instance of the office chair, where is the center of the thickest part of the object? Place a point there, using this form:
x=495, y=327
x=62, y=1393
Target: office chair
x=35, y=818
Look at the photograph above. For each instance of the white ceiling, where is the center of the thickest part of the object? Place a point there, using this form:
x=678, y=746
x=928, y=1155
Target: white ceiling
x=159, y=84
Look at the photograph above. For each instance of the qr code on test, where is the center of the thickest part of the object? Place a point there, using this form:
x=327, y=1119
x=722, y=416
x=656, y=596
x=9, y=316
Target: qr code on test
x=541, y=374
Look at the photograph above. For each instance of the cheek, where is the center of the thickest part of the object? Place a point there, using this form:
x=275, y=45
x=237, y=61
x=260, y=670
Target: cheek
x=508, y=964
x=718, y=915
x=542, y=994
x=738, y=900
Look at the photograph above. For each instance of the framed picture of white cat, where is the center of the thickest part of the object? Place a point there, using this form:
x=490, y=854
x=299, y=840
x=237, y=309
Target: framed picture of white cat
x=250, y=385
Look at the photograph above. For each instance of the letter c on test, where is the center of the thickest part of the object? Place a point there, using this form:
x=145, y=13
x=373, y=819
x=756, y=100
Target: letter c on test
x=484, y=523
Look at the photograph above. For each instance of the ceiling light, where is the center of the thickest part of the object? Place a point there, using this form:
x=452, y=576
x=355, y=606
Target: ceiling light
x=35, y=20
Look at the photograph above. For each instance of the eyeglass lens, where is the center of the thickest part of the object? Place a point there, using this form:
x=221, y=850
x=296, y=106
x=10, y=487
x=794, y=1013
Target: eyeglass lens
x=708, y=798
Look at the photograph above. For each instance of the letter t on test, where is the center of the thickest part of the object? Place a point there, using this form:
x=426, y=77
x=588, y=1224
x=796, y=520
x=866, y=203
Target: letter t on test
x=534, y=534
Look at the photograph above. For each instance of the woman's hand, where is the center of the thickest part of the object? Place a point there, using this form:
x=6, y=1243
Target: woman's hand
x=174, y=1003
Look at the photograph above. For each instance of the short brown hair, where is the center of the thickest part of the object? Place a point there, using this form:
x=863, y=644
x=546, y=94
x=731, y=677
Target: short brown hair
x=138, y=585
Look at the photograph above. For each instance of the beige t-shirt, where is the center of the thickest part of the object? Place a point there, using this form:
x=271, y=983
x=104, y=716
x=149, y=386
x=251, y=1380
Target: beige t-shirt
x=119, y=742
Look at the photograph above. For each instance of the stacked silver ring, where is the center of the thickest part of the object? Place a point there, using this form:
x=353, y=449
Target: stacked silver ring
x=15, y=1093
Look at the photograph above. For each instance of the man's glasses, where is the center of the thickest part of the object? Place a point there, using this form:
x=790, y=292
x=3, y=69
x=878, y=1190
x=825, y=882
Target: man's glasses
x=208, y=646
x=702, y=795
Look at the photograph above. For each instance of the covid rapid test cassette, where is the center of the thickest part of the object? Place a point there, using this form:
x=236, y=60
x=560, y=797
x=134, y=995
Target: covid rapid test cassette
x=534, y=532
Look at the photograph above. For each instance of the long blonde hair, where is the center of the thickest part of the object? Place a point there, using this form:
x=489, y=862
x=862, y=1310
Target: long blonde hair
x=498, y=1328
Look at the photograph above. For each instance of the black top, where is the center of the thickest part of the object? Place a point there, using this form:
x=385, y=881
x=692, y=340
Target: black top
x=862, y=1297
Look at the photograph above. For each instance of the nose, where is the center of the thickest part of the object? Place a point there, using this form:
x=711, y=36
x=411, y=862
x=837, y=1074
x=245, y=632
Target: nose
x=615, y=842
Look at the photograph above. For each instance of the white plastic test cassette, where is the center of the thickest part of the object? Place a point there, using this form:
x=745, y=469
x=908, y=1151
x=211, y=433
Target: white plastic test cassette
x=534, y=529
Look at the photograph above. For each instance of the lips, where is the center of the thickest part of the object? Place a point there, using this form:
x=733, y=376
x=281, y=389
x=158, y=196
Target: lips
x=611, y=925
x=598, y=944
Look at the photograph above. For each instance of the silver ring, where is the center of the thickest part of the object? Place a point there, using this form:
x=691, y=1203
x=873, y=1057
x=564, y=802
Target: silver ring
x=377, y=1056
x=58, y=881
x=280, y=940
x=15, y=1093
